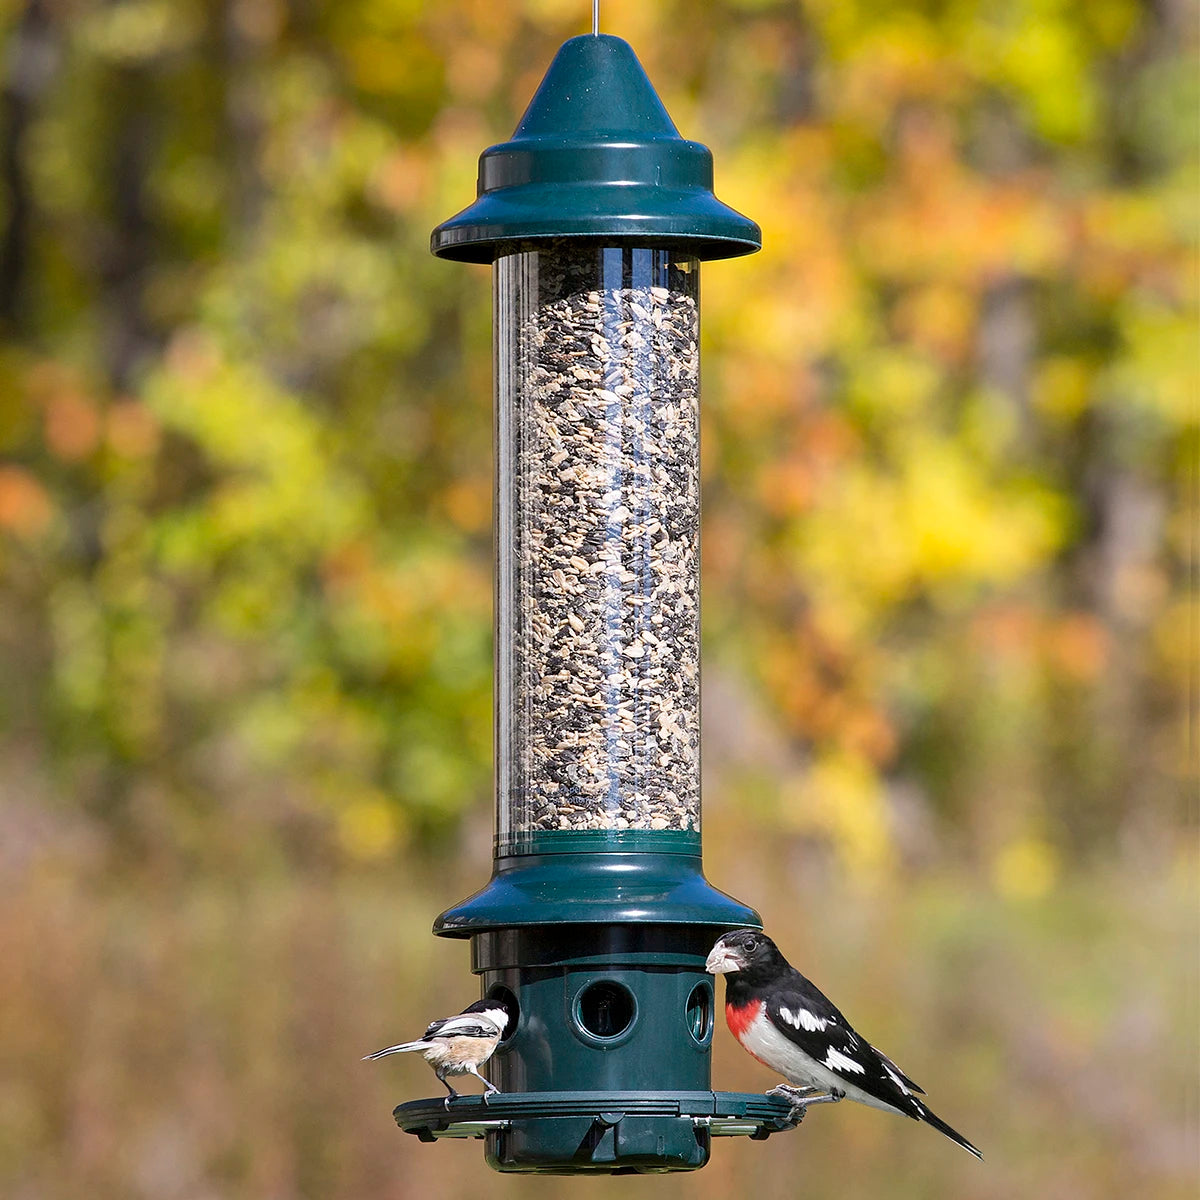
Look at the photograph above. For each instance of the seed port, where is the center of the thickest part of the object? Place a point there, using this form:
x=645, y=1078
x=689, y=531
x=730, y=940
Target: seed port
x=605, y=1009
x=499, y=992
x=700, y=1014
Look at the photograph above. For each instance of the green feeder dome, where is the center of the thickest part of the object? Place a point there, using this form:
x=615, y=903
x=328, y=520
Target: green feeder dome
x=596, y=156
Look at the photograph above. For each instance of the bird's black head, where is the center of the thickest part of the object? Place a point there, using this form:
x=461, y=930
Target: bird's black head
x=748, y=953
x=497, y=1010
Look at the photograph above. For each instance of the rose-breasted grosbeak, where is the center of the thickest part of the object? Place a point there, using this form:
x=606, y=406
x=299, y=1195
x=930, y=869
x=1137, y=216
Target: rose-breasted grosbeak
x=460, y=1045
x=789, y=1026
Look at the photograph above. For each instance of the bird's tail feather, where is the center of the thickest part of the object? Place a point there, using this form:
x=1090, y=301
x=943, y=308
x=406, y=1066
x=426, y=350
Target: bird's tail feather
x=403, y=1048
x=931, y=1118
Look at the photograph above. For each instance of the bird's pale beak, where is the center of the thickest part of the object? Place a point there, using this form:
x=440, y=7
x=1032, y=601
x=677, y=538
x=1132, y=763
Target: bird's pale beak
x=722, y=961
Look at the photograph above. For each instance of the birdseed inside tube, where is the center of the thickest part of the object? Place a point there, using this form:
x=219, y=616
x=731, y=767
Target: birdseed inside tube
x=598, y=638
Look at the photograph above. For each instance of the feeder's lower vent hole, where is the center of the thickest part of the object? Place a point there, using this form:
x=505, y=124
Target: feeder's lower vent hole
x=606, y=1009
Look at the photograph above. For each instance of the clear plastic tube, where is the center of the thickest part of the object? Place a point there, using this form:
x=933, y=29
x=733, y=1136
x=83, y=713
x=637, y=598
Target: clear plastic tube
x=598, y=471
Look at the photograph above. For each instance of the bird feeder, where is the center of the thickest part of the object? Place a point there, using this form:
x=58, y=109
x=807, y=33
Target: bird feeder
x=596, y=216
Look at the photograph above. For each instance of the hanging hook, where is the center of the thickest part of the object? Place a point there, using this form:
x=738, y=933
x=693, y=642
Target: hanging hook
x=595, y=18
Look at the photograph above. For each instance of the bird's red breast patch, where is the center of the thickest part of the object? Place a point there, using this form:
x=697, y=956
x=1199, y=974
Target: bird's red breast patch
x=740, y=1019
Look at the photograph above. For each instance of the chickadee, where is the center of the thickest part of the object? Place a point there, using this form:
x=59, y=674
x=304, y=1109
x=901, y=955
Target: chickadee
x=785, y=1022
x=460, y=1045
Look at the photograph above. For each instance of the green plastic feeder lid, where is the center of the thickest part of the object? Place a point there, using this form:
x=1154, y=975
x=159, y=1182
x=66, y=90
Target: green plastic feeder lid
x=596, y=156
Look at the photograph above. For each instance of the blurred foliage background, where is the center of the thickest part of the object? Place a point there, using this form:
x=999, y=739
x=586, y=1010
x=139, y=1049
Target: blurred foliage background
x=950, y=429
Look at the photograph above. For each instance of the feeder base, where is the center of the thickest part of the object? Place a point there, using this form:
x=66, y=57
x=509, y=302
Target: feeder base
x=573, y=1133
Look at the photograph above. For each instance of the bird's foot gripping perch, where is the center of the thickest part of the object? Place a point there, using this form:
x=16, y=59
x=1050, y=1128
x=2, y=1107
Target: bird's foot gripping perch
x=800, y=1098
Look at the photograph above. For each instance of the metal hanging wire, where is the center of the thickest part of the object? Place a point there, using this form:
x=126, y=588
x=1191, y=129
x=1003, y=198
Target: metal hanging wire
x=595, y=18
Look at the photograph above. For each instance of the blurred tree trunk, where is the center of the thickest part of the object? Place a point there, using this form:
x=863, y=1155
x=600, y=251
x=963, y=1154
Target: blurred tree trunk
x=128, y=334
x=239, y=57
x=31, y=61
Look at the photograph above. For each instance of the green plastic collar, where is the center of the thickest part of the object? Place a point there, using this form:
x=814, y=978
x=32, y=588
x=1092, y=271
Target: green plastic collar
x=592, y=841
x=600, y=888
x=596, y=156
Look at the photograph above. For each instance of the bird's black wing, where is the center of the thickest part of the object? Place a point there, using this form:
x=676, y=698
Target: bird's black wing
x=467, y=1025
x=800, y=1012
x=887, y=1062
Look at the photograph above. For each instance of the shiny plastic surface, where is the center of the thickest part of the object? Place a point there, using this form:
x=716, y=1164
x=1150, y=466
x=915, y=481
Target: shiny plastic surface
x=598, y=621
x=596, y=157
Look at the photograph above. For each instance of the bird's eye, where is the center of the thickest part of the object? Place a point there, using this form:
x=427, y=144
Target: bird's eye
x=750, y=945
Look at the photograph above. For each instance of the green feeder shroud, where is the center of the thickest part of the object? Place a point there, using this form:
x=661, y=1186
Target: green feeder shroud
x=598, y=918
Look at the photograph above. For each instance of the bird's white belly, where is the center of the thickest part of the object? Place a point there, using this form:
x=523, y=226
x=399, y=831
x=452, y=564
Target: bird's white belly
x=457, y=1055
x=770, y=1047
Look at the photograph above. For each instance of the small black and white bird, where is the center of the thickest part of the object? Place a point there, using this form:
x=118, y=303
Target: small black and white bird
x=785, y=1022
x=460, y=1045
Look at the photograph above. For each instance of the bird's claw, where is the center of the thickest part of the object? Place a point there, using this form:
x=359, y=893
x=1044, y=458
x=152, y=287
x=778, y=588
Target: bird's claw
x=800, y=1098
x=793, y=1096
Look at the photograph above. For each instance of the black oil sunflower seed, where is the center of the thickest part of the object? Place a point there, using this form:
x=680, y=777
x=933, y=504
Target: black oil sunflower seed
x=603, y=564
